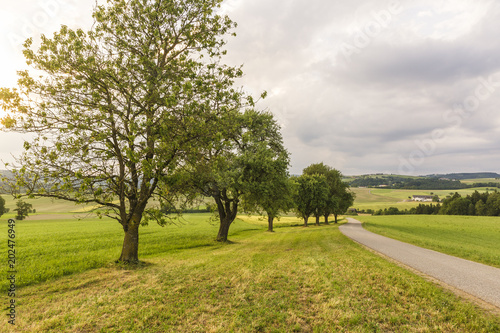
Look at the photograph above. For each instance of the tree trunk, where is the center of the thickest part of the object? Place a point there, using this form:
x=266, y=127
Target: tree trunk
x=270, y=220
x=225, y=223
x=317, y=219
x=130, y=247
x=326, y=219
x=305, y=221
x=335, y=217
x=227, y=208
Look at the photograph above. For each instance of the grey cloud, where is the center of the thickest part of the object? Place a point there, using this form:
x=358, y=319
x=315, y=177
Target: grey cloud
x=365, y=114
x=427, y=62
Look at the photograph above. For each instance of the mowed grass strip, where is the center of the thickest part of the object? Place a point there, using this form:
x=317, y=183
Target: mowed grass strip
x=294, y=280
x=475, y=238
x=46, y=250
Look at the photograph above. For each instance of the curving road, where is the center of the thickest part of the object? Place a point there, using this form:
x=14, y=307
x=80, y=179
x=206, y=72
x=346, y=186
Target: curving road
x=475, y=279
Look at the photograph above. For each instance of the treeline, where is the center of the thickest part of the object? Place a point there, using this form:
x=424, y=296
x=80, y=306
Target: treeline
x=478, y=204
x=270, y=191
x=420, y=209
x=489, y=184
x=475, y=204
x=429, y=184
x=371, y=182
x=423, y=183
x=466, y=175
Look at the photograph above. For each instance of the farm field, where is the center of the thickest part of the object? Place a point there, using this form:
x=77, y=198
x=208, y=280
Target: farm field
x=296, y=279
x=49, y=249
x=51, y=206
x=379, y=198
x=480, y=180
x=474, y=238
x=47, y=205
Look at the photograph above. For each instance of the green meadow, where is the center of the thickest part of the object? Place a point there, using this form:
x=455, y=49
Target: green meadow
x=294, y=280
x=480, y=180
x=470, y=237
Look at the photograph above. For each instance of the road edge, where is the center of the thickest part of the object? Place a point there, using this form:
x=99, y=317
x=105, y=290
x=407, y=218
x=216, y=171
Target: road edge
x=490, y=308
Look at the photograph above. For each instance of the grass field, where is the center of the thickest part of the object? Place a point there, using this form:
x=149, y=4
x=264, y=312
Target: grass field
x=379, y=198
x=47, y=206
x=368, y=198
x=51, y=206
x=405, y=194
x=294, y=280
x=475, y=238
x=480, y=180
x=50, y=249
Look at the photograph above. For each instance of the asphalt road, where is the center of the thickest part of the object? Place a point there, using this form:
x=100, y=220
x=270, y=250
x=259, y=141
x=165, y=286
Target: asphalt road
x=476, y=279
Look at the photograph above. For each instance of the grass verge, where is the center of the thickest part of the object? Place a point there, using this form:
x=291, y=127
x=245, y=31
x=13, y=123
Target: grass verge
x=474, y=238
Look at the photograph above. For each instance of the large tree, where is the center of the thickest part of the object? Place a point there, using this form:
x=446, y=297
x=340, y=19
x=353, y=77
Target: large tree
x=116, y=110
x=272, y=196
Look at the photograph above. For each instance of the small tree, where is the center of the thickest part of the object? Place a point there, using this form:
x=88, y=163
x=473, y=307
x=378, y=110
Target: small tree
x=344, y=201
x=271, y=191
x=3, y=210
x=23, y=209
x=239, y=165
x=321, y=199
x=311, y=195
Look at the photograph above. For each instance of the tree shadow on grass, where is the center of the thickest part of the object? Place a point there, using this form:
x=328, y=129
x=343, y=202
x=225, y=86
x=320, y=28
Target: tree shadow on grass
x=130, y=266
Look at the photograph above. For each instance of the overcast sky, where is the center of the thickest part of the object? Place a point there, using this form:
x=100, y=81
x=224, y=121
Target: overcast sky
x=408, y=87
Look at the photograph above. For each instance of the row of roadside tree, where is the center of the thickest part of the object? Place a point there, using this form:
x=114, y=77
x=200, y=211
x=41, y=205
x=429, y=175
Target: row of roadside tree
x=318, y=192
x=142, y=107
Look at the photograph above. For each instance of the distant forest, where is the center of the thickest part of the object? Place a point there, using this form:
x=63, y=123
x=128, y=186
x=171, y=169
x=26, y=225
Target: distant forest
x=462, y=176
x=432, y=182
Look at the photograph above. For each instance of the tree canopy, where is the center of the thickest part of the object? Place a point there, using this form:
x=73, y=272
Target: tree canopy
x=238, y=167
x=311, y=195
x=269, y=187
x=116, y=110
x=339, y=197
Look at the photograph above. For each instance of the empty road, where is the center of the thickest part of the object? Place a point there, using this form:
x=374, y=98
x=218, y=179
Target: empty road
x=476, y=279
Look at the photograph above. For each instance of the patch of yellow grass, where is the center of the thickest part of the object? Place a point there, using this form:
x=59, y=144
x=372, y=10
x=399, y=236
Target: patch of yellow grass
x=262, y=220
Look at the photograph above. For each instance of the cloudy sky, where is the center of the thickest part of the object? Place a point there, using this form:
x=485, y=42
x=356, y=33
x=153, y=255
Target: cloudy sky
x=408, y=87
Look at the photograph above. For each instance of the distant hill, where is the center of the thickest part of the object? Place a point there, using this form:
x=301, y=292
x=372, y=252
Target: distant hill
x=461, y=176
x=451, y=181
x=6, y=173
x=3, y=172
x=404, y=182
